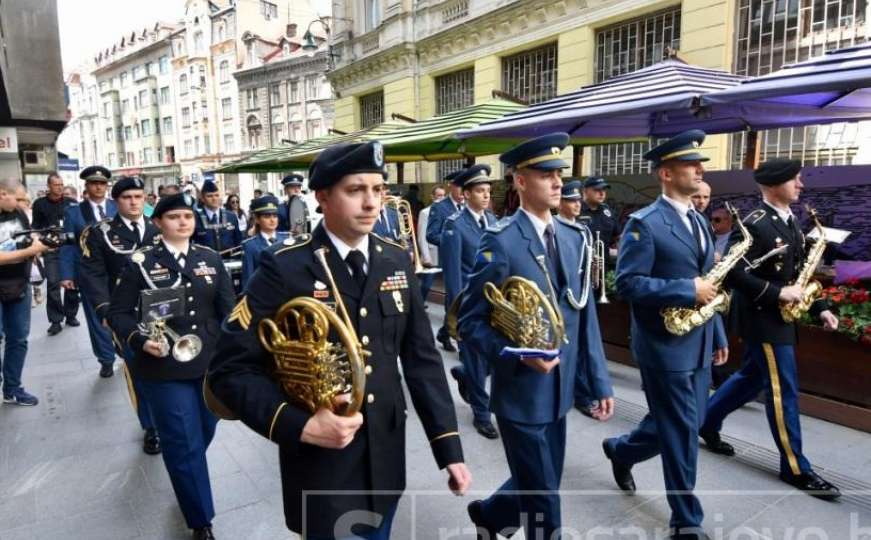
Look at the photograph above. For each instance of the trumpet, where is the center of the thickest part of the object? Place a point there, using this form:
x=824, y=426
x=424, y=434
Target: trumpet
x=600, y=258
x=407, y=236
x=184, y=349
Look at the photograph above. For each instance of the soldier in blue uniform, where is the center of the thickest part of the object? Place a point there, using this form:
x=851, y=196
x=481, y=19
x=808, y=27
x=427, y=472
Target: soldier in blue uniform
x=173, y=383
x=266, y=217
x=387, y=224
x=217, y=227
x=569, y=209
x=438, y=213
x=108, y=245
x=769, y=355
x=461, y=236
x=292, y=189
x=531, y=395
x=665, y=251
x=324, y=451
x=93, y=209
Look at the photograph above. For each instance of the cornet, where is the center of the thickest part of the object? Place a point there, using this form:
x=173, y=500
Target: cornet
x=600, y=258
x=407, y=236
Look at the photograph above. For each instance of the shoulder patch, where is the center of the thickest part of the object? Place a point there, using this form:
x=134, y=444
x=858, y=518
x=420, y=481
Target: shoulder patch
x=389, y=242
x=241, y=314
x=754, y=216
x=294, y=242
x=643, y=212
x=453, y=217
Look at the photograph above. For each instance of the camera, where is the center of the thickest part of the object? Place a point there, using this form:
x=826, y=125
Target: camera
x=53, y=237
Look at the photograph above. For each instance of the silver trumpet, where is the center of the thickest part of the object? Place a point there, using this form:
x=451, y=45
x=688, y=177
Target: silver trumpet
x=184, y=349
x=600, y=258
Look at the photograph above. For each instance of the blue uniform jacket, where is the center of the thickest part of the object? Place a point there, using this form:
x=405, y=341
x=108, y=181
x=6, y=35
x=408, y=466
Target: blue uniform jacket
x=388, y=230
x=519, y=393
x=230, y=234
x=284, y=216
x=441, y=211
x=656, y=266
x=461, y=236
x=251, y=249
x=76, y=218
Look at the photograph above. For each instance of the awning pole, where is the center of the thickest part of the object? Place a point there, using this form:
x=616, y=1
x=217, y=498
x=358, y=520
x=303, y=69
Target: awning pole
x=577, y=159
x=752, y=150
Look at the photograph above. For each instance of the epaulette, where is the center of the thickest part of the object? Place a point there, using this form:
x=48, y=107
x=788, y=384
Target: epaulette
x=294, y=242
x=574, y=225
x=754, y=216
x=248, y=239
x=390, y=242
x=499, y=226
x=453, y=217
x=643, y=212
x=200, y=246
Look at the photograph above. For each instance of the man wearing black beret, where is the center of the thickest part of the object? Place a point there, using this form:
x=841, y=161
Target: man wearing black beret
x=358, y=467
x=108, y=245
x=769, y=355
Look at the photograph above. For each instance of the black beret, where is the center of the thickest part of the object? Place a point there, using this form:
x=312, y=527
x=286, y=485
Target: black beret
x=209, y=187
x=292, y=179
x=776, y=171
x=343, y=159
x=126, y=183
x=173, y=202
x=96, y=173
x=266, y=204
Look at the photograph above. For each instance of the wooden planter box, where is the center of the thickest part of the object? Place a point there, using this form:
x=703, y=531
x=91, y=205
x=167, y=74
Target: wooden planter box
x=834, y=371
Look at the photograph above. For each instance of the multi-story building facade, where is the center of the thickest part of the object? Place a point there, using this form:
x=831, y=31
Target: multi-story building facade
x=136, y=106
x=210, y=44
x=83, y=138
x=284, y=96
x=420, y=58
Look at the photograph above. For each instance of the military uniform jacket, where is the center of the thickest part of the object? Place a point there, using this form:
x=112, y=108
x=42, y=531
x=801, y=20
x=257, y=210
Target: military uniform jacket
x=209, y=298
x=76, y=218
x=602, y=220
x=284, y=216
x=440, y=211
x=518, y=392
x=656, y=267
x=390, y=321
x=251, y=249
x=461, y=236
x=757, y=291
x=219, y=236
x=108, y=245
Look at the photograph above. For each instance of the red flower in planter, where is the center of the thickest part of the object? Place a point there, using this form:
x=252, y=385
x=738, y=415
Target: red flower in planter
x=847, y=322
x=859, y=296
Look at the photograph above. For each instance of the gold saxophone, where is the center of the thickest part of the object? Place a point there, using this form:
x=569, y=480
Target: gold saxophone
x=811, y=288
x=311, y=370
x=680, y=320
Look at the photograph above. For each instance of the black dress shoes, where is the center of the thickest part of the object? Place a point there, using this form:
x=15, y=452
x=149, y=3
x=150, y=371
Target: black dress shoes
x=486, y=429
x=622, y=473
x=476, y=515
x=203, y=533
x=106, y=370
x=447, y=344
x=689, y=534
x=73, y=322
x=717, y=445
x=151, y=442
x=459, y=376
x=812, y=484
x=55, y=329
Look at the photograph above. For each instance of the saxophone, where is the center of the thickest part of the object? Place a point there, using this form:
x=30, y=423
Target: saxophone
x=680, y=320
x=811, y=288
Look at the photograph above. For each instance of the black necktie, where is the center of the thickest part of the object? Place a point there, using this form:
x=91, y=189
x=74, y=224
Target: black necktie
x=697, y=233
x=550, y=246
x=135, y=226
x=357, y=261
x=214, y=219
x=180, y=259
x=482, y=223
x=271, y=240
x=101, y=211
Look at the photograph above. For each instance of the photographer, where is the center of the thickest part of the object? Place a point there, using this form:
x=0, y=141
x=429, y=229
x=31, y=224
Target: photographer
x=48, y=211
x=15, y=293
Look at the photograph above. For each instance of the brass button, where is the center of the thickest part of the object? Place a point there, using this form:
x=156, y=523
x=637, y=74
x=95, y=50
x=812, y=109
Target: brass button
x=368, y=370
x=364, y=312
x=370, y=398
x=364, y=340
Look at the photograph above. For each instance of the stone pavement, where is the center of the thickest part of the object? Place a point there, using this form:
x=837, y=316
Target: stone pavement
x=72, y=468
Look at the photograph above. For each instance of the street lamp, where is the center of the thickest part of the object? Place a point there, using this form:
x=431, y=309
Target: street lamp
x=310, y=44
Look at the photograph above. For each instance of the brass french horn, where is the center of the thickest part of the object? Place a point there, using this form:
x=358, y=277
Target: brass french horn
x=524, y=314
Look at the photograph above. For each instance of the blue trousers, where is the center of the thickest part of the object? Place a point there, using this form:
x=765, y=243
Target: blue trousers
x=140, y=402
x=381, y=533
x=426, y=281
x=530, y=497
x=676, y=400
x=186, y=428
x=15, y=318
x=101, y=337
x=771, y=368
x=474, y=371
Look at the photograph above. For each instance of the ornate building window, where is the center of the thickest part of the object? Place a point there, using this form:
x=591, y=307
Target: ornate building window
x=531, y=75
x=770, y=35
x=453, y=91
x=622, y=48
x=372, y=109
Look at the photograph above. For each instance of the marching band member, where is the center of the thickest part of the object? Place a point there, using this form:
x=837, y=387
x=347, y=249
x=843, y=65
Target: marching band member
x=293, y=189
x=266, y=217
x=217, y=227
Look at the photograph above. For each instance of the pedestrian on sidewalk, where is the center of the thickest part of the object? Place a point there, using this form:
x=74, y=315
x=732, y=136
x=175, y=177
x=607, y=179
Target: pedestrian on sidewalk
x=61, y=304
x=172, y=380
x=15, y=293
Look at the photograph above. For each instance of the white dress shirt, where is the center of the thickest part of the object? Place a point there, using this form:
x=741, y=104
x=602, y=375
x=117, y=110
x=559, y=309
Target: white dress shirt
x=175, y=252
x=682, y=210
x=95, y=207
x=429, y=255
x=782, y=214
x=344, y=249
x=139, y=223
x=540, y=227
